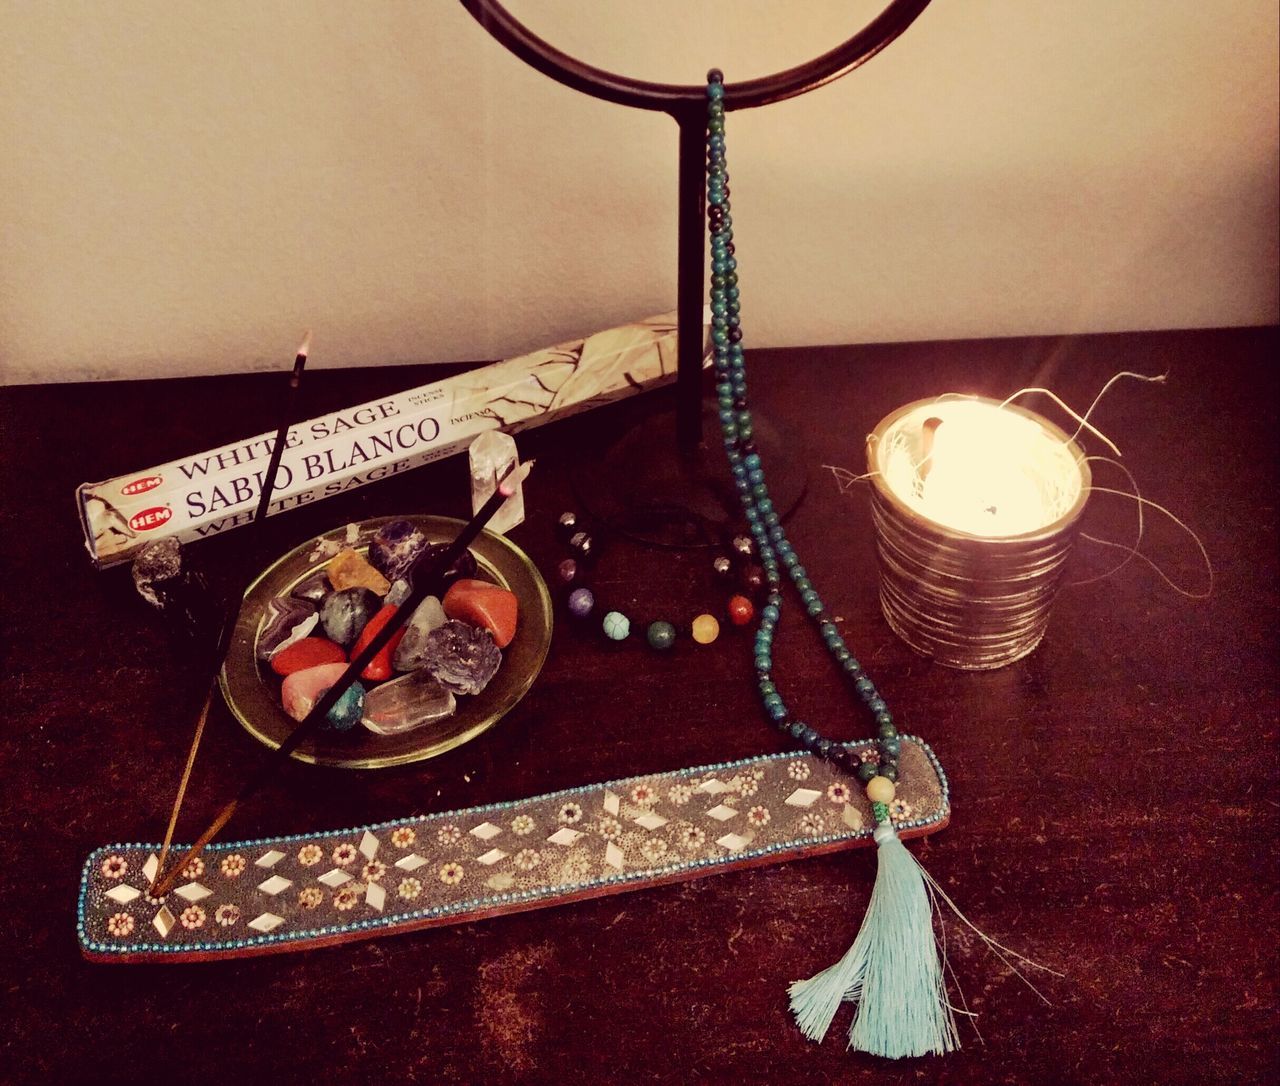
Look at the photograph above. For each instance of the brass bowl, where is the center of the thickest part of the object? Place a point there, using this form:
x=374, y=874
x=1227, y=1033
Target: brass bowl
x=252, y=692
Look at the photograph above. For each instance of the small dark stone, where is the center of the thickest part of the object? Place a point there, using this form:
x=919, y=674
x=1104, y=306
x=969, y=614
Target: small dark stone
x=566, y=526
x=722, y=567
x=464, y=568
x=753, y=580
x=167, y=582
x=314, y=589
x=744, y=545
x=889, y=772
x=583, y=546
x=866, y=770
x=157, y=569
x=567, y=572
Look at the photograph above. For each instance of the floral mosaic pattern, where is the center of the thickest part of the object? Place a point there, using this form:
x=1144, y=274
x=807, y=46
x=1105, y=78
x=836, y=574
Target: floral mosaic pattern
x=251, y=895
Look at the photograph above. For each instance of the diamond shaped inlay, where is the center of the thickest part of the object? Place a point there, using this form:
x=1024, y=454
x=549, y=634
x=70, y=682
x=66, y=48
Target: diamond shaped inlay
x=564, y=836
x=266, y=922
x=651, y=821
x=151, y=868
x=721, y=813
x=411, y=862
x=368, y=846
x=500, y=880
x=852, y=817
x=491, y=857
x=335, y=878
x=269, y=859
x=613, y=855
x=803, y=797
x=735, y=842
x=713, y=787
x=123, y=894
x=486, y=830
x=164, y=921
x=375, y=896
x=277, y=884
x=612, y=804
x=193, y=891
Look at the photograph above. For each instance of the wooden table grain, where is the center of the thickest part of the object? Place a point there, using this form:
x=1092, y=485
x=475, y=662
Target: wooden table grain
x=1115, y=794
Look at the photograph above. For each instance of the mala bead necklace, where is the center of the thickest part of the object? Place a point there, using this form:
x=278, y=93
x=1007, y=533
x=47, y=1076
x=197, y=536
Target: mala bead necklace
x=892, y=971
x=660, y=634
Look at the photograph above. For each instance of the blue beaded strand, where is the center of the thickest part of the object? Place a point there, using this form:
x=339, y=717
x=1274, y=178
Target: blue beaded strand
x=776, y=552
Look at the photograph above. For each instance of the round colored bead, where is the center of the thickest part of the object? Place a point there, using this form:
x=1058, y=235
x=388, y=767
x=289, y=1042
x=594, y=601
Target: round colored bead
x=583, y=546
x=616, y=626
x=581, y=601
x=752, y=579
x=744, y=544
x=567, y=526
x=705, y=629
x=722, y=567
x=740, y=610
x=661, y=635
x=881, y=790
x=867, y=770
x=567, y=571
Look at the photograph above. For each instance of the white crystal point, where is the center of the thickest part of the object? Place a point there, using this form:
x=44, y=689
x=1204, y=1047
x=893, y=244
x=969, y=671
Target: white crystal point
x=490, y=454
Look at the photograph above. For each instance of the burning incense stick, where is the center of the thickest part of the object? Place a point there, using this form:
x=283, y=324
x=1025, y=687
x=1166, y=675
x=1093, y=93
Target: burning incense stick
x=229, y=619
x=424, y=583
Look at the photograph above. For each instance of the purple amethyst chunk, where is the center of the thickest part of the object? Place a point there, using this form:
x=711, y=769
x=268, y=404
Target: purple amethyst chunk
x=395, y=547
x=462, y=658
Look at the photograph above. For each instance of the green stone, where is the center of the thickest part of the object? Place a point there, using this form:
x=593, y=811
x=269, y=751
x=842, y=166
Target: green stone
x=662, y=635
x=616, y=626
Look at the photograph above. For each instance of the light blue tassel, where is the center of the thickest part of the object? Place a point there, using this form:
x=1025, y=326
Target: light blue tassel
x=892, y=972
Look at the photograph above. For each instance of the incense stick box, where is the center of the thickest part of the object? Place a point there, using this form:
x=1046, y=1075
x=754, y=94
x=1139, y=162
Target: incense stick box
x=217, y=490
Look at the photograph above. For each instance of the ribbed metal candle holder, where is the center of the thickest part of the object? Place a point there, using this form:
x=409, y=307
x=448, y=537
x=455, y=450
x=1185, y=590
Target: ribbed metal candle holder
x=967, y=600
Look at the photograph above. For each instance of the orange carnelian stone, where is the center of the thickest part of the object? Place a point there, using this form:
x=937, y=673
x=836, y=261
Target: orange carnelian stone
x=480, y=603
x=379, y=667
x=309, y=652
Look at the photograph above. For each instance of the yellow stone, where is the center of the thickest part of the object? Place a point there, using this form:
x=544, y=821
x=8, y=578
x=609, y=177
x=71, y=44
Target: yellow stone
x=705, y=629
x=880, y=790
x=347, y=569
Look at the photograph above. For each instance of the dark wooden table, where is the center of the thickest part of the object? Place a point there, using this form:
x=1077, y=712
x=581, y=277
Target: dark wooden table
x=1115, y=801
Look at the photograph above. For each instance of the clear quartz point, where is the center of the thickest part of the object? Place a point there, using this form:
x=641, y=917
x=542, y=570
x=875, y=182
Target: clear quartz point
x=408, y=702
x=490, y=454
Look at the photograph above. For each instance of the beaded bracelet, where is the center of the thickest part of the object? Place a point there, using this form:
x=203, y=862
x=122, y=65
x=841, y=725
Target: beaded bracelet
x=661, y=634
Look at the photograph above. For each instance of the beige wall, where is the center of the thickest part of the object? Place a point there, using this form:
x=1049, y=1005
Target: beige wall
x=185, y=186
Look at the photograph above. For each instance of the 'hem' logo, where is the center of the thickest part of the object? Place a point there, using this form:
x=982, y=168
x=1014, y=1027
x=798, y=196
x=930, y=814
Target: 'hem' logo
x=142, y=485
x=150, y=518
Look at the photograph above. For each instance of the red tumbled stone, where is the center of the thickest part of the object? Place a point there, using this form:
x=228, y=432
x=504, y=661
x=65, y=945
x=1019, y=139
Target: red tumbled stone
x=479, y=603
x=740, y=610
x=379, y=667
x=309, y=652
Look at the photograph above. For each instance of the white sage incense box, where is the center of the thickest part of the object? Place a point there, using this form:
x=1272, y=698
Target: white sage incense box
x=217, y=490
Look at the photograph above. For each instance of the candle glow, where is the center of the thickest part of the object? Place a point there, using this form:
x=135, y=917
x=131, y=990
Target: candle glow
x=979, y=468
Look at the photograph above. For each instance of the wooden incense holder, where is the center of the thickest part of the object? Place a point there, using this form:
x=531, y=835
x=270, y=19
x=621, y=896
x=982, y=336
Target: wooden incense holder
x=279, y=894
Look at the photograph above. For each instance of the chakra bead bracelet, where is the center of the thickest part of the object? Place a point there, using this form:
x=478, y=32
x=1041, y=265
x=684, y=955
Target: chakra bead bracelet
x=660, y=634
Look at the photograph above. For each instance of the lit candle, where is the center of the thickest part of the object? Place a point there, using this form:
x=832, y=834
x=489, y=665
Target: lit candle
x=976, y=505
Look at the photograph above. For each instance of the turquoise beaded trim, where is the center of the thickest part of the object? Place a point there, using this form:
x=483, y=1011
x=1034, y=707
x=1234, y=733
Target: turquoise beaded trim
x=503, y=857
